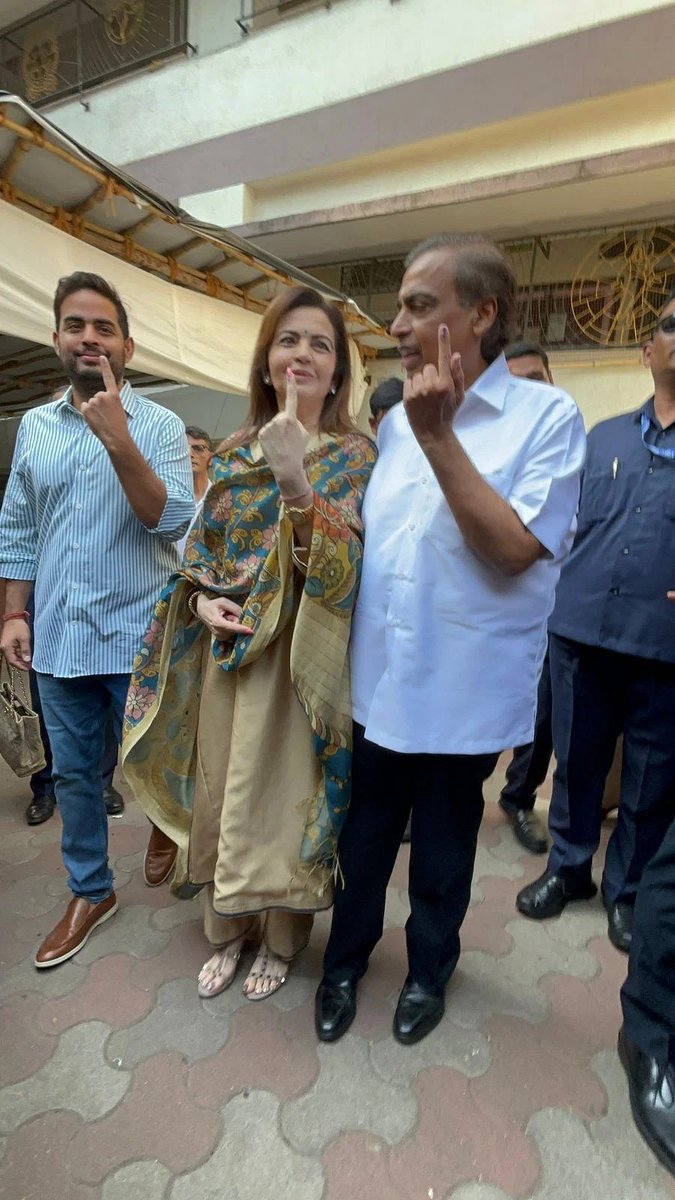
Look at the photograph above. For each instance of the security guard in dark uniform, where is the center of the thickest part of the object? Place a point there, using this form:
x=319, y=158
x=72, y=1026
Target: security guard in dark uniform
x=647, y=1039
x=612, y=653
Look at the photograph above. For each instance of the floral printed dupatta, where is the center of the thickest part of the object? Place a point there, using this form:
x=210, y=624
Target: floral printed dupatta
x=242, y=549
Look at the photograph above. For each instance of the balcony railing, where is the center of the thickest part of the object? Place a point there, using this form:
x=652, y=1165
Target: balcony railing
x=73, y=45
x=257, y=14
x=574, y=291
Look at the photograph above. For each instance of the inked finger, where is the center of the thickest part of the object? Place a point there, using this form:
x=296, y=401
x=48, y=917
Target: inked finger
x=291, y=405
x=457, y=377
x=107, y=372
x=444, y=354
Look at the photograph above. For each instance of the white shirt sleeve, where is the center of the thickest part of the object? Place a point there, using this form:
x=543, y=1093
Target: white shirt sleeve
x=545, y=493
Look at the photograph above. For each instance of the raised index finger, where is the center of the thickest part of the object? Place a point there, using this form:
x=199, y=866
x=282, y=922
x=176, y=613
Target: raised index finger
x=444, y=355
x=109, y=381
x=291, y=405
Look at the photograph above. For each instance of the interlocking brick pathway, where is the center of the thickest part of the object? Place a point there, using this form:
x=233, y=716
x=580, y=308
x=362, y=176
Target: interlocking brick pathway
x=118, y=1083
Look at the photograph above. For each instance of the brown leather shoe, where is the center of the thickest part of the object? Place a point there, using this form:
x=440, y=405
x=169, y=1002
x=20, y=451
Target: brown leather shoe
x=79, y=921
x=159, y=858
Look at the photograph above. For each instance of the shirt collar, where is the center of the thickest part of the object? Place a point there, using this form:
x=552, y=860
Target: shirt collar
x=127, y=396
x=648, y=410
x=492, y=385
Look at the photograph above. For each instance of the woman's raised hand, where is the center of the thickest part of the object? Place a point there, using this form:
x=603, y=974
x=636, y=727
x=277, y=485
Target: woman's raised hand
x=284, y=441
x=221, y=617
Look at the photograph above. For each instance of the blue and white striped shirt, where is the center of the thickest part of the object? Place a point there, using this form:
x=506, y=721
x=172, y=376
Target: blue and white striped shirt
x=67, y=524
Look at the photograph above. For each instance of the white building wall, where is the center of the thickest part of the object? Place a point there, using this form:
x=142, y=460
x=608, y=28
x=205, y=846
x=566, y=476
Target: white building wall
x=318, y=58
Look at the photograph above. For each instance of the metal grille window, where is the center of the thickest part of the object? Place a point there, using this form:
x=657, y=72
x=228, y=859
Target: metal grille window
x=593, y=288
x=257, y=14
x=74, y=44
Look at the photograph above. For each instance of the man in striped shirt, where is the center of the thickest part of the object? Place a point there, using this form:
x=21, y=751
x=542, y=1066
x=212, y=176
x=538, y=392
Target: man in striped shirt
x=100, y=490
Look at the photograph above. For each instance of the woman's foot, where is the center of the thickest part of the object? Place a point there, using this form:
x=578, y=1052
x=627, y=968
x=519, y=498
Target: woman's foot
x=266, y=976
x=218, y=973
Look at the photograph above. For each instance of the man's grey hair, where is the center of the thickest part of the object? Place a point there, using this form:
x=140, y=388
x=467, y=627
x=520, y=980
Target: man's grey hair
x=482, y=272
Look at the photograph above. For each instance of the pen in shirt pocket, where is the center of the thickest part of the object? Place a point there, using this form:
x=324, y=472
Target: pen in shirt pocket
x=615, y=467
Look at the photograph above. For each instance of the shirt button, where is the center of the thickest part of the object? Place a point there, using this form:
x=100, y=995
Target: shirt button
x=75, y=586
x=78, y=506
x=76, y=545
x=614, y=591
x=650, y=470
x=625, y=550
x=637, y=508
x=411, y=526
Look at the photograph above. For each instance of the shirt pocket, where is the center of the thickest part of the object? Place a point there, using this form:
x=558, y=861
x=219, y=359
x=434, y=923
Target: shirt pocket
x=598, y=501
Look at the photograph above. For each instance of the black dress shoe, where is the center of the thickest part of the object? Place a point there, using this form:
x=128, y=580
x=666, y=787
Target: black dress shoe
x=418, y=1012
x=41, y=809
x=528, y=829
x=651, y=1087
x=549, y=894
x=619, y=924
x=334, y=1009
x=114, y=803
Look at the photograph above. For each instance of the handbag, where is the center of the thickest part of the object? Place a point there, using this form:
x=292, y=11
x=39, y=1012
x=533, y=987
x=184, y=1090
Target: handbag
x=20, y=738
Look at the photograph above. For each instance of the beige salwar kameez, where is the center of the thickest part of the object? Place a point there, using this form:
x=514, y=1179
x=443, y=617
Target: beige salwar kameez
x=255, y=774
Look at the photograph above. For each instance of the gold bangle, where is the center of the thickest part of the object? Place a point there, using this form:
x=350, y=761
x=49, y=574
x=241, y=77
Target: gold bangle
x=300, y=562
x=300, y=516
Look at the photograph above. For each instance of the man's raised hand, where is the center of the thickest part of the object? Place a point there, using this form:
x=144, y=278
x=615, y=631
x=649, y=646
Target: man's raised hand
x=104, y=413
x=433, y=395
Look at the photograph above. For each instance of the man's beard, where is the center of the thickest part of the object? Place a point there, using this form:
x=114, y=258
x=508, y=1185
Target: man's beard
x=88, y=380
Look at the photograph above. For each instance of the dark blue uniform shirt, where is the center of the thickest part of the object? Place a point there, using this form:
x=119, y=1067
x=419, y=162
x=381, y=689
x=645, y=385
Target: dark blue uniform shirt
x=612, y=589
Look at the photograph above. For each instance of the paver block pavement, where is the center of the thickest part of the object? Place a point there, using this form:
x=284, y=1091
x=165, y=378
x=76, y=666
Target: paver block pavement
x=252, y=1162
x=36, y=1162
x=106, y=994
x=26, y=1047
x=179, y=1021
x=268, y=1050
x=456, y=1140
x=76, y=1078
x=157, y=1121
x=347, y=1095
x=467, y=1051
x=137, y=1181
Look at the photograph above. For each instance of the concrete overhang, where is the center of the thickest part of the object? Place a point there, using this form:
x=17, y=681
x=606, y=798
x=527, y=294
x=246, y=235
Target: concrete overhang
x=629, y=53
x=629, y=187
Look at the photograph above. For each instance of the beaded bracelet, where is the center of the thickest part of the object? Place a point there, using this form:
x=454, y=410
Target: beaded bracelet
x=192, y=603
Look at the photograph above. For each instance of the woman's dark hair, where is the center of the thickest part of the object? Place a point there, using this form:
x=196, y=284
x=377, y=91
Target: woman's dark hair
x=263, y=405
x=81, y=281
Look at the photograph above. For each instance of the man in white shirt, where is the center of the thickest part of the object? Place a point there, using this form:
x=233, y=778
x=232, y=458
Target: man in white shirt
x=468, y=515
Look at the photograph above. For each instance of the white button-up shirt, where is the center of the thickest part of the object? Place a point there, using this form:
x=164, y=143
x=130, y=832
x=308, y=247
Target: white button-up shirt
x=447, y=651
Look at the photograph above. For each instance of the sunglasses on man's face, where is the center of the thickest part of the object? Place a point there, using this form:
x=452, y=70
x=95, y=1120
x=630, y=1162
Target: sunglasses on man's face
x=666, y=324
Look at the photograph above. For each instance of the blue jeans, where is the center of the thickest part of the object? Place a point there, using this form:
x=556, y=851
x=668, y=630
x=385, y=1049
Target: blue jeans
x=75, y=713
x=41, y=783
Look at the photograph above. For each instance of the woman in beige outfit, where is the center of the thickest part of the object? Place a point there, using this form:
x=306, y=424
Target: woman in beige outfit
x=238, y=722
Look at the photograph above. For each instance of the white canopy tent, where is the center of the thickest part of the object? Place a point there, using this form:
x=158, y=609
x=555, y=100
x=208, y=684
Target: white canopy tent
x=194, y=292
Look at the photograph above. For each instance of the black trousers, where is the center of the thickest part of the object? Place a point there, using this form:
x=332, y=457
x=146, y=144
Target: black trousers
x=598, y=694
x=528, y=767
x=444, y=792
x=648, y=995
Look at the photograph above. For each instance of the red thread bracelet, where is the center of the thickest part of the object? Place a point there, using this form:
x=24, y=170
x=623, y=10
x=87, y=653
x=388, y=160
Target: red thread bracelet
x=20, y=616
